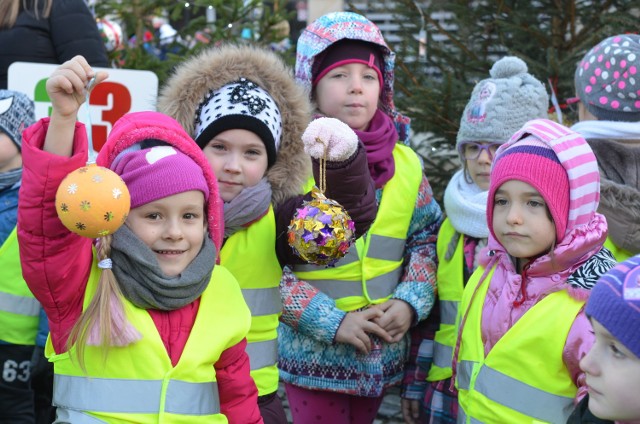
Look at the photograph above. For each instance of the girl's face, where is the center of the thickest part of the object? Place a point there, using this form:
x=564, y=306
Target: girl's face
x=478, y=157
x=521, y=220
x=173, y=227
x=349, y=93
x=613, y=377
x=239, y=160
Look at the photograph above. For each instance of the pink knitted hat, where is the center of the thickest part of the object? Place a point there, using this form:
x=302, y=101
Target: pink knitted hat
x=535, y=163
x=158, y=172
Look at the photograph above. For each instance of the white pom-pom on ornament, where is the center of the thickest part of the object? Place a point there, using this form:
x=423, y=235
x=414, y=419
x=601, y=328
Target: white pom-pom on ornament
x=332, y=136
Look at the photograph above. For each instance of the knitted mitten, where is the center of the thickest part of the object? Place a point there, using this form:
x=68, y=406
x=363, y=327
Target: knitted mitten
x=332, y=135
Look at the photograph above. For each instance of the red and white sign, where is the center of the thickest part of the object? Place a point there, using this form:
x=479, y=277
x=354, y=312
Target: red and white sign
x=126, y=90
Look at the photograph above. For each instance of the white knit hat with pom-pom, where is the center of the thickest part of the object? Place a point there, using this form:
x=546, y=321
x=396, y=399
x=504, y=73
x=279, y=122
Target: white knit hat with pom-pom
x=499, y=106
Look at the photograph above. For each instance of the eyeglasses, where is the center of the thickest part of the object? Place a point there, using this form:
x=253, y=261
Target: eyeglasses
x=471, y=150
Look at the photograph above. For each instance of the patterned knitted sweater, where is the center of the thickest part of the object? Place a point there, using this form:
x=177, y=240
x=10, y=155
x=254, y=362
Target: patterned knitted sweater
x=308, y=356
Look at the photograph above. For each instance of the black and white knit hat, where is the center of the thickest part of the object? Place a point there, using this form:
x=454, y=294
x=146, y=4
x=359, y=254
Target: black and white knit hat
x=16, y=113
x=240, y=105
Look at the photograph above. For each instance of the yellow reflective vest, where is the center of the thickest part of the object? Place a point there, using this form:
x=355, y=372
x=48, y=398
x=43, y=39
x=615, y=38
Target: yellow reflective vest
x=450, y=281
x=619, y=253
x=370, y=271
x=138, y=383
x=19, y=310
x=523, y=379
x=250, y=256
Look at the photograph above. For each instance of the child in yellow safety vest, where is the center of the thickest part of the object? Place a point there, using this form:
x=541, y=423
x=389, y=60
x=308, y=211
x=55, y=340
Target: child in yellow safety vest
x=246, y=112
x=25, y=389
x=522, y=329
x=495, y=111
x=334, y=356
x=145, y=324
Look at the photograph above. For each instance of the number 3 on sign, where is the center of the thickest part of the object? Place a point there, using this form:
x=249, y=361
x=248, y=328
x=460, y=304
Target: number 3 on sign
x=126, y=90
x=113, y=99
x=117, y=99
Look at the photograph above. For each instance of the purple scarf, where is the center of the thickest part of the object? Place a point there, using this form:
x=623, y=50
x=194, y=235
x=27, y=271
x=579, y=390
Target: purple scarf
x=379, y=141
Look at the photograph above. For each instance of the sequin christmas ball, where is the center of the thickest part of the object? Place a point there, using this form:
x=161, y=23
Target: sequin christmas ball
x=321, y=231
x=92, y=201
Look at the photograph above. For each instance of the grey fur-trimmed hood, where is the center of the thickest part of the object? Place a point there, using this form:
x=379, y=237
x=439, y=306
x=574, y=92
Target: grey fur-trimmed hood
x=212, y=69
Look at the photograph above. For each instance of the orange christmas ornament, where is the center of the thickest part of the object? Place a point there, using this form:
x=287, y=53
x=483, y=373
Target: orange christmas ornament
x=93, y=201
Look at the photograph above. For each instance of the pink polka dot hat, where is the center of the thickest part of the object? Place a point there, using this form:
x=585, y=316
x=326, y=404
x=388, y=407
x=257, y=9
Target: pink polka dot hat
x=607, y=79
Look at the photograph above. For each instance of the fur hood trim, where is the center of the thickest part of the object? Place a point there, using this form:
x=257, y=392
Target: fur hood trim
x=221, y=65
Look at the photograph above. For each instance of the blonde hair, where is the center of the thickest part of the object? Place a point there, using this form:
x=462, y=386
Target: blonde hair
x=9, y=10
x=103, y=322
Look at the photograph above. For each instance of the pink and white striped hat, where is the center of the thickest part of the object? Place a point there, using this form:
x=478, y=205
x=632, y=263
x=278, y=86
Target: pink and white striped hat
x=559, y=164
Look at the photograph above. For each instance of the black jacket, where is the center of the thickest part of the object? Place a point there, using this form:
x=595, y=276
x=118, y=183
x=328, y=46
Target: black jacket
x=70, y=30
x=582, y=415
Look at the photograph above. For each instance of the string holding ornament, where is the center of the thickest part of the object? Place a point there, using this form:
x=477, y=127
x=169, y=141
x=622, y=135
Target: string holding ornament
x=321, y=230
x=92, y=201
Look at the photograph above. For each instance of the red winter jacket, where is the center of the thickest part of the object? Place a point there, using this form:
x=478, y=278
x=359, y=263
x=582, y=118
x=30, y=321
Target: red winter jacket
x=51, y=254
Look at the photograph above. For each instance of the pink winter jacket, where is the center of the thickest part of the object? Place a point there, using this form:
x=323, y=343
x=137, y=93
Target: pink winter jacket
x=50, y=254
x=508, y=298
x=578, y=255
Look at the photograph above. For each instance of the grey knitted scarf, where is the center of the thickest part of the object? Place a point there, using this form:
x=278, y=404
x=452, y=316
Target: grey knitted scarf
x=9, y=178
x=144, y=284
x=249, y=205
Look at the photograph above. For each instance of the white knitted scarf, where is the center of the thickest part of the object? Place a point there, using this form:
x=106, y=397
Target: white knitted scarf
x=466, y=206
x=608, y=129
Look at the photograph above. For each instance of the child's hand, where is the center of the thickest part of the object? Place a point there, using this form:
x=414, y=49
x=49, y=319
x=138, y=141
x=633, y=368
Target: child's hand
x=355, y=326
x=67, y=86
x=332, y=135
x=396, y=319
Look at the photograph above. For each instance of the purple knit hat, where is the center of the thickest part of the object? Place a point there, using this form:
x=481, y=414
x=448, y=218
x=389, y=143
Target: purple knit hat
x=161, y=171
x=615, y=303
x=535, y=163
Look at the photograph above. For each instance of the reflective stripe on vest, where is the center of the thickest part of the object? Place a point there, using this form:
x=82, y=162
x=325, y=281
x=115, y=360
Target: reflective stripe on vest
x=372, y=268
x=251, y=257
x=138, y=383
x=618, y=252
x=450, y=276
x=19, y=305
x=136, y=396
x=19, y=310
x=504, y=386
x=263, y=354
